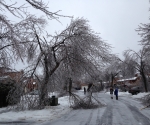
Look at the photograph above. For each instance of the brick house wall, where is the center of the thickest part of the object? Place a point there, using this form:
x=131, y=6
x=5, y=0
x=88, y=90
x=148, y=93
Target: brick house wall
x=14, y=75
x=30, y=84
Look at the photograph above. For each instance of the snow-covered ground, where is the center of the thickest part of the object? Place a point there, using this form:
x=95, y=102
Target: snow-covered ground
x=138, y=96
x=121, y=93
x=50, y=112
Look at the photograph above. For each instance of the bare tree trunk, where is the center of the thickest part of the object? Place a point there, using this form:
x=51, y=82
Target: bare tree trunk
x=44, y=92
x=48, y=74
x=70, y=86
x=112, y=79
x=144, y=80
x=102, y=86
x=143, y=75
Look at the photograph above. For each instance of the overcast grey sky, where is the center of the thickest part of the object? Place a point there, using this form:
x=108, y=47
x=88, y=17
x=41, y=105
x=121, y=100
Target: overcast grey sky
x=115, y=20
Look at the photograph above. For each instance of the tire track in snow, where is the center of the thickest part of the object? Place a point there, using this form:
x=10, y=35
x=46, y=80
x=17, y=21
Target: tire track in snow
x=89, y=118
x=98, y=117
x=100, y=113
x=141, y=119
x=106, y=118
x=73, y=113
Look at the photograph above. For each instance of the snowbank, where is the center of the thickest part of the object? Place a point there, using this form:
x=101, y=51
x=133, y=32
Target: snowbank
x=140, y=95
x=49, y=113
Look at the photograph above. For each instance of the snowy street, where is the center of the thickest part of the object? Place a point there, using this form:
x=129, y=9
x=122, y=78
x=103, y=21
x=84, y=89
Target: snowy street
x=125, y=111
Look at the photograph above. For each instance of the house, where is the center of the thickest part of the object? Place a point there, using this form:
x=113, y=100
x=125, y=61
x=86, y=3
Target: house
x=132, y=80
x=79, y=85
x=76, y=85
x=3, y=70
x=84, y=85
x=13, y=74
x=126, y=84
x=30, y=84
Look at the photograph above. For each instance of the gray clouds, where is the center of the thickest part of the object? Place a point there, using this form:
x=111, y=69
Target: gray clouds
x=116, y=20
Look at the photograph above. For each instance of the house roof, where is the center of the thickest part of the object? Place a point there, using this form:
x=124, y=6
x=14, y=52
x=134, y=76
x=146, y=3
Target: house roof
x=105, y=82
x=122, y=80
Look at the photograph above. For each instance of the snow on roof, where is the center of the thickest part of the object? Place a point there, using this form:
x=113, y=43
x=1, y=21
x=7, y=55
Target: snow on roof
x=137, y=73
x=120, y=76
x=121, y=80
x=105, y=82
x=4, y=77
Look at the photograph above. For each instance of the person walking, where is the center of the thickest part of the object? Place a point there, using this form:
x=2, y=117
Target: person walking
x=84, y=90
x=116, y=93
x=111, y=92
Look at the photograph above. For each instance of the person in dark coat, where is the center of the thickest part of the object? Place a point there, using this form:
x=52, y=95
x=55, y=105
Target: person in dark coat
x=116, y=93
x=111, y=92
x=84, y=90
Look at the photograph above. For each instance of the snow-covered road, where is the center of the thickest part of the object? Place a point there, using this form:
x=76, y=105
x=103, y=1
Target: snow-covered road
x=124, y=111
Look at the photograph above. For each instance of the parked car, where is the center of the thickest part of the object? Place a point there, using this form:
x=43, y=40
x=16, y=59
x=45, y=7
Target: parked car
x=135, y=90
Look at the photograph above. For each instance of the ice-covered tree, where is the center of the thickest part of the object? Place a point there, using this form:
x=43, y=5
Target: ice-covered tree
x=144, y=31
x=140, y=62
x=15, y=34
x=112, y=70
x=74, y=51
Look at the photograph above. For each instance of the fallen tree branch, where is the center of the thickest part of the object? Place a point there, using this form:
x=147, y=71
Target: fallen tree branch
x=145, y=107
